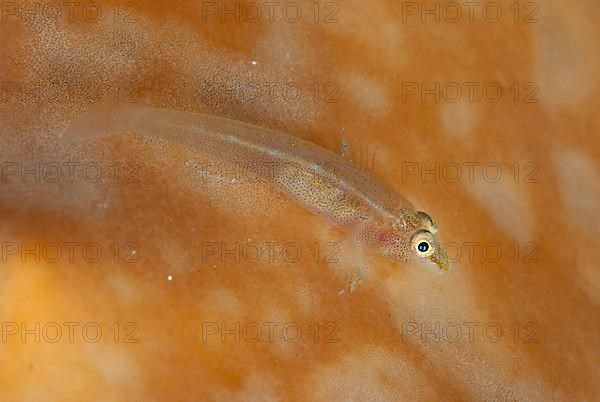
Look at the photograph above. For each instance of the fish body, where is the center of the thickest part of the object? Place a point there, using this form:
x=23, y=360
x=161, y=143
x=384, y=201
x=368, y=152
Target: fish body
x=322, y=181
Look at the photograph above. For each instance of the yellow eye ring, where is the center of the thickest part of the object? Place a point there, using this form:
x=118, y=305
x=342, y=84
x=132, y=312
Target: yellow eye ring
x=423, y=243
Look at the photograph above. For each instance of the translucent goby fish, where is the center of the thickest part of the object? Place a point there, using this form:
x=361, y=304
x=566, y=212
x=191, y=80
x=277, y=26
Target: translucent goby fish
x=322, y=181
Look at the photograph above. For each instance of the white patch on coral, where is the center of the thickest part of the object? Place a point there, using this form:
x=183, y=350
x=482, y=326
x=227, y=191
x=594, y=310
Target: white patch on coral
x=564, y=70
x=506, y=202
x=579, y=183
x=115, y=365
x=459, y=119
x=368, y=373
x=369, y=94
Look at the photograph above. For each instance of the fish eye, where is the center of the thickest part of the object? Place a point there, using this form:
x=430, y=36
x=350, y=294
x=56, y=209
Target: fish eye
x=423, y=243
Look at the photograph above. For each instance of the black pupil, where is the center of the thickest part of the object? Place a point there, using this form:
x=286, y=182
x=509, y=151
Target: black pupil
x=423, y=246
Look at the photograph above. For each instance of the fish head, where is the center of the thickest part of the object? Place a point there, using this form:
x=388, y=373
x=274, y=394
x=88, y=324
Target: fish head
x=414, y=237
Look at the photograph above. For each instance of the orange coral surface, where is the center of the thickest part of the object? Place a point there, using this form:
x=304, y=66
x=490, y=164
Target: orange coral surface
x=135, y=267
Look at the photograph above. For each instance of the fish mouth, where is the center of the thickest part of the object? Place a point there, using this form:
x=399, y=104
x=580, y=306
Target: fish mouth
x=441, y=261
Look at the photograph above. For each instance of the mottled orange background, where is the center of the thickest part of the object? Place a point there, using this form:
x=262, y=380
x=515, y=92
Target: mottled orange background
x=180, y=323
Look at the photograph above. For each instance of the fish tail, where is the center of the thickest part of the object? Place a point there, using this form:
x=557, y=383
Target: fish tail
x=104, y=117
